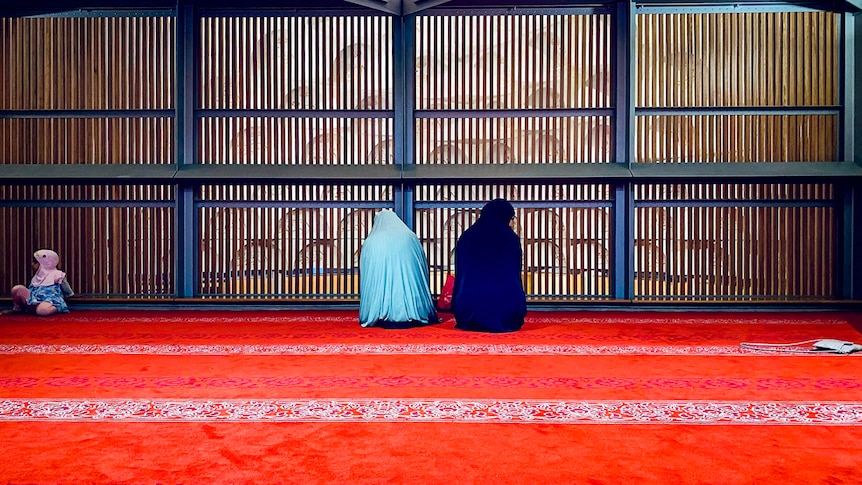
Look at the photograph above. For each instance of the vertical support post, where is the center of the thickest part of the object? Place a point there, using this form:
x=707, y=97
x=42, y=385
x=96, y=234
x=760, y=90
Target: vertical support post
x=623, y=237
x=850, y=57
x=622, y=53
x=408, y=62
x=849, y=263
x=185, y=240
x=399, y=97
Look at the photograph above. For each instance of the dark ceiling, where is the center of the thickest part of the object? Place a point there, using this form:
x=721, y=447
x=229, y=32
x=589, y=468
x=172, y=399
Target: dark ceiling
x=394, y=7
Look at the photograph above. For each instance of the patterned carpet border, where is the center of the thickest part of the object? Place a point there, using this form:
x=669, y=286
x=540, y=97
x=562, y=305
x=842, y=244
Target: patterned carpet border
x=425, y=410
x=567, y=383
x=388, y=349
x=286, y=317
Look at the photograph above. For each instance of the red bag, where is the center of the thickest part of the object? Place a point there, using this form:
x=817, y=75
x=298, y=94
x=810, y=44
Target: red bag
x=444, y=302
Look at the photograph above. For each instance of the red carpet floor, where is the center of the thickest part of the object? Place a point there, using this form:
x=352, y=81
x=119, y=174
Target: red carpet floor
x=311, y=397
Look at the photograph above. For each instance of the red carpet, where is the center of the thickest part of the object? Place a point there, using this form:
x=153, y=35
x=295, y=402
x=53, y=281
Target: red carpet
x=311, y=397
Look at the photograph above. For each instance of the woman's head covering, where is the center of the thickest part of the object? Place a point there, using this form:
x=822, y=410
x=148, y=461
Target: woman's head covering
x=498, y=210
x=386, y=221
x=48, y=274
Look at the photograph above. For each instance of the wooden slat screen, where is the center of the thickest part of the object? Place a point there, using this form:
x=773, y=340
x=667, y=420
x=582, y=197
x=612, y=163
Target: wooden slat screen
x=737, y=138
x=117, y=63
x=731, y=242
x=293, y=241
x=738, y=59
x=513, y=62
x=518, y=62
x=88, y=141
x=303, y=63
x=566, y=244
x=87, y=63
x=296, y=141
x=519, y=140
x=693, y=241
x=112, y=240
x=735, y=242
x=299, y=62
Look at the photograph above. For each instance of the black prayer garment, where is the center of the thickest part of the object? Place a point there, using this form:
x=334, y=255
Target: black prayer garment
x=488, y=295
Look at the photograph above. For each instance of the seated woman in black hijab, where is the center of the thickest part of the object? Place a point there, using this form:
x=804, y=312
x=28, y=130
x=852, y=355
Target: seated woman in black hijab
x=488, y=295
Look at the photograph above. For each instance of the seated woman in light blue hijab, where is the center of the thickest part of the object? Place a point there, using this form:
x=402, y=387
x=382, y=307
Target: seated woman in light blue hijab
x=393, y=277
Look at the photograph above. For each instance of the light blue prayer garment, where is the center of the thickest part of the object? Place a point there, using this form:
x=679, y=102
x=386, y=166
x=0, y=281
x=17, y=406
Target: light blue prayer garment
x=393, y=276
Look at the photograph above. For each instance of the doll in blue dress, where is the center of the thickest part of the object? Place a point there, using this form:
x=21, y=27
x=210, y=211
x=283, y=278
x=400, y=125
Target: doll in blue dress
x=45, y=296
